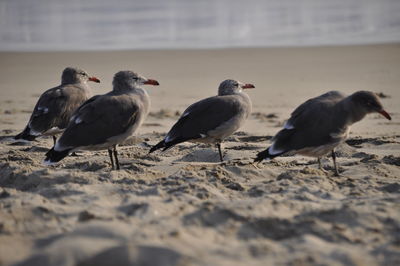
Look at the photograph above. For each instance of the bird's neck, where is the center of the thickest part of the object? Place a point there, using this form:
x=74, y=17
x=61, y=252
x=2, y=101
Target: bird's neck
x=141, y=92
x=352, y=112
x=144, y=97
x=245, y=100
x=245, y=96
x=135, y=92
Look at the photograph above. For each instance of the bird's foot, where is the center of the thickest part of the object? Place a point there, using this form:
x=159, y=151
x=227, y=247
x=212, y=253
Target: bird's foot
x=326, y=172
x=336, y=173
x=256, y=165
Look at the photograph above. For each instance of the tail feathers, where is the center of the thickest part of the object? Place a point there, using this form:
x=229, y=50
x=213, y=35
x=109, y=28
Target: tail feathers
x=167, y=145
x=25, y=135
x=159, y=145
x=53, y=156
x=266, y=155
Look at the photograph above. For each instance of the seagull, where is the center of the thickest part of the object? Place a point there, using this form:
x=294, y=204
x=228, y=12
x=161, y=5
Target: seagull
x=213, y=119
x=56, y=105
x=104, y=121
x=320, y=124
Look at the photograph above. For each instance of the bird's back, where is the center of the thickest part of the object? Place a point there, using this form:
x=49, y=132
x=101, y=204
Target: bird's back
x=56, y=106
x=101, y=118
x=208, y=116
x=318, y=121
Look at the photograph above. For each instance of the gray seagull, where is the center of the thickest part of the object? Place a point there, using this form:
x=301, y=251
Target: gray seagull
x=320, y=124
x=56, y=105
x=213, y=119
x=104, y=121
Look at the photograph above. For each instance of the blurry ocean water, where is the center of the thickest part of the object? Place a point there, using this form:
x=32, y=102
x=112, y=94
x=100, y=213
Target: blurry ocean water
x=39, y=25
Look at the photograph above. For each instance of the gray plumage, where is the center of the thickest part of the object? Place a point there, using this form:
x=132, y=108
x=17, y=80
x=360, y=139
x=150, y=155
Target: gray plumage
x=55, y=106
x=320, y=124
x=104, y=121
x=213, y=119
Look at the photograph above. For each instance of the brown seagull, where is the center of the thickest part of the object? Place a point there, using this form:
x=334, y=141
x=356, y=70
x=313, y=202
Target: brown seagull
x=213, y=119
x=104, y=121
x=55, y=106
x=320, y=124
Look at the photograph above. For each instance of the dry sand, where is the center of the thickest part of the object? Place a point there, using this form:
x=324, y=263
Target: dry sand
x=182, y=207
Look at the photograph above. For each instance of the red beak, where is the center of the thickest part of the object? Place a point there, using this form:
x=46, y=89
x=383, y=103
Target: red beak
x=94, y=79
x=151, y=82
x=248, y=86
x=385, y=114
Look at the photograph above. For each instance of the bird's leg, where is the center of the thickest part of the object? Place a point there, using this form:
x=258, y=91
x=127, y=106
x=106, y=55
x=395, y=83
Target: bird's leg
x=116, y=157
x=320, y=164
x=220, y=152
x=321, y=167
x=111, y=158
x=256, y=165
x=334, y=163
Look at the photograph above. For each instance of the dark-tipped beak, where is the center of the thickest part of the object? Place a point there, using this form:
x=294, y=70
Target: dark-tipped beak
x=385, y=114
x=151, y=82
x=94, y=79
x=248, y=86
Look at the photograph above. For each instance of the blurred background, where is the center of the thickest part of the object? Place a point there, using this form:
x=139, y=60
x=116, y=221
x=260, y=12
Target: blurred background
x=40, y=25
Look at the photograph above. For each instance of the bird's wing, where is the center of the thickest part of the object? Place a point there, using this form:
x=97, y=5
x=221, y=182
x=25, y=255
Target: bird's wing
x=313, y=109
x=100, y=118
x=315, y=122
x=202, y=117
x=55, y=107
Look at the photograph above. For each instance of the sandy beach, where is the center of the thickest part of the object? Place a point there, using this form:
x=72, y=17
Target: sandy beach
x=183, y=207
